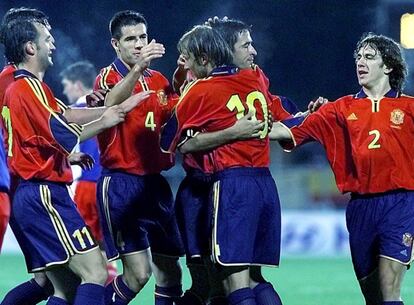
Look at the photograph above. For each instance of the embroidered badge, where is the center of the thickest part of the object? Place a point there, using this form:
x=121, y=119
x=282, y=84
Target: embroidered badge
x=162, y=97
x=397, y=117
x=407, y=239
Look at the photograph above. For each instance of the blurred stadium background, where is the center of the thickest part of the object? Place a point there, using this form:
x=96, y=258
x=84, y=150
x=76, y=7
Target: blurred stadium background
x=306, y=49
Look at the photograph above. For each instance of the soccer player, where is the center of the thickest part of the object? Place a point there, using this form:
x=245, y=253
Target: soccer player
x=77, y=80
x=242, y=180
x=135, y=201
x=367, y=138
x=39, y=139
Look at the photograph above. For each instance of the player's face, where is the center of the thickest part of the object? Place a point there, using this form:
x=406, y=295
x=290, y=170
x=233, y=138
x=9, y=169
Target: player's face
x=370, y=68
x=196, y=68
x=44, y=46
x=71, y=90
x=243, y=51
x=129, y=46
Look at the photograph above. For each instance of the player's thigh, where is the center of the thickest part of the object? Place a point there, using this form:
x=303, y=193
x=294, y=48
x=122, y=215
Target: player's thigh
x=167, y=270
x=89, y=266
x=391, y=275
x=137, y=267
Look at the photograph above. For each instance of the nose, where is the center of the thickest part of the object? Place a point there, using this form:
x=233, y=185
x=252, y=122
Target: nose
x=139, y=44
x=253, y=51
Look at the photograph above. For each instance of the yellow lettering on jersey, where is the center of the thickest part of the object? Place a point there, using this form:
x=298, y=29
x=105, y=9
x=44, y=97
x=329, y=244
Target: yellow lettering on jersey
x=5, y=113
x=149, y=121
x=374, y=143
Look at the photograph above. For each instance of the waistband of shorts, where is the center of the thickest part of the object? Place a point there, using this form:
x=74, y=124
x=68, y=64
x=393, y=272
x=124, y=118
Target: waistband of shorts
x=40, y=181
x=114, y=172
x=375, y=195
x=241, y=171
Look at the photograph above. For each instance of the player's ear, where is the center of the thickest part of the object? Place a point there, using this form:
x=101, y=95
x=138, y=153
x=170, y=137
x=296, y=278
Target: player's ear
x=115, y=44
x=387, y=70
x=204, y=59
x=30, y=48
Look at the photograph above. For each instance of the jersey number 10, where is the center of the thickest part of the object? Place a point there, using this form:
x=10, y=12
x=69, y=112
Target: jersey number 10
x=236, y=103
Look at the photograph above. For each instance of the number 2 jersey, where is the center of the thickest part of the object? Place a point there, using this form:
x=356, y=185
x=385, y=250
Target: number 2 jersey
x=369, y=143
x=133, y=146
x=216, y=103
x=38, y=136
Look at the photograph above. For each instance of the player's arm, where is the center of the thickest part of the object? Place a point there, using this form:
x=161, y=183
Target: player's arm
x=243, y=129
x=280, y=132
x=86, y=115
x=124, y=88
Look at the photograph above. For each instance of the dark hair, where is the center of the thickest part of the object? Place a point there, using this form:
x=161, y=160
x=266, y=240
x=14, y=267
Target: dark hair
x=18, y=33
x=390, y=52
x=22, y=13
x=124, y=18
x=203, y=40
x=230, y=29
x=83, y=71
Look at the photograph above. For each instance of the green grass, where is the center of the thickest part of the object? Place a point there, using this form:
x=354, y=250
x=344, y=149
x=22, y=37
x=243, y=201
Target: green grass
x=299, y=281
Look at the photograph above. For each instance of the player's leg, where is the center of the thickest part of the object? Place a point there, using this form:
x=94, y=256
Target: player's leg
x=4, y=215
x=136, y=273
x=263, y=290
x=370, y=288
x=237, y=286
x=65, y=283
x=164, y=238
x=32, y=292
x=217, y=294
x=391, y=275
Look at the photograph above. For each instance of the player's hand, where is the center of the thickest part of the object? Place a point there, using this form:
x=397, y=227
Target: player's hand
x=96, y=98
x=247, y=127
x=85, y=161
x=134, y=100
x=316, y=104
x=113, y=116
x=147, y=53
x=269, y=122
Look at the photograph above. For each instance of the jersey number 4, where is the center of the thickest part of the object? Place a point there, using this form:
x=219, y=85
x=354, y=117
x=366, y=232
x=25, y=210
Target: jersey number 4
x=235, y=103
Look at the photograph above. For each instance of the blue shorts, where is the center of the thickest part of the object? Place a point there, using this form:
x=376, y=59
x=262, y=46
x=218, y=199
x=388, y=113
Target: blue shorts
x=194, y=213
x=47, y=225
x=380, y=225
x=246, y=224
x=137, y=212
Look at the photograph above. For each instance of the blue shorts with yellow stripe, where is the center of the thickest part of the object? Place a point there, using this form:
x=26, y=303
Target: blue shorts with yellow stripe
x=47, y=225
x=246, y=221
x=137, y=213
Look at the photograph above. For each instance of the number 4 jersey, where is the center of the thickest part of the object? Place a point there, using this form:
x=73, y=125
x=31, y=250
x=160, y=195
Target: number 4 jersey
x=216, y=103
x=133, y=146
x=369, y=143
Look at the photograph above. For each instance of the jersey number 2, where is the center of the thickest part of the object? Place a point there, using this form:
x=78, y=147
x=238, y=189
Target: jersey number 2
x=236, y=103
x=374, y=143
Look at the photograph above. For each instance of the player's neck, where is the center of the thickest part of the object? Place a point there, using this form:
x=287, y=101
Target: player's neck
x=33, y=68
x=378, y=91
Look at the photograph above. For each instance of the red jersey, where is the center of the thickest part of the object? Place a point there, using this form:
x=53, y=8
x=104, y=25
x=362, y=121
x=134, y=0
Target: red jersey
x=40, y=137
x=282, y=108
x=133, y=146
x=215, y=103
x=368, y=142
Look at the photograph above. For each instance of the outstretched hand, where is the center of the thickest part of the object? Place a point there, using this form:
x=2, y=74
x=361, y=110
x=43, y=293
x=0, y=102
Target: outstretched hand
x=85, y=161
x=96, y=98
x=134, y=100
x=147, y=53
x=316, y=104
x=247, y=127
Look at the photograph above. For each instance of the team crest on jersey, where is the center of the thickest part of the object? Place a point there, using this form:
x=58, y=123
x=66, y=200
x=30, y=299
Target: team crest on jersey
x=407, y=239
x=397, y=116
x=162, y=97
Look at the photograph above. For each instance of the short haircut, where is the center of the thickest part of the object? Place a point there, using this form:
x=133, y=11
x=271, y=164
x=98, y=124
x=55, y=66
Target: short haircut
x=124, y=18
x=391, y=54
x=22, y=13
x=230, y=29
x=203, y=40
x=14, y=39
x=83, y=71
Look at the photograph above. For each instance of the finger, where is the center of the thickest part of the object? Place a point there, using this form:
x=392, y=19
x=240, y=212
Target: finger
x=249, y=115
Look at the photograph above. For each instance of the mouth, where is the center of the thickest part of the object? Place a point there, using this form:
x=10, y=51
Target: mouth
x=362, y=72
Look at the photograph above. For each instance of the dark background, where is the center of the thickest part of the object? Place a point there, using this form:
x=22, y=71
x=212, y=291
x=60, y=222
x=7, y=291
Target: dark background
x=305, y=46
